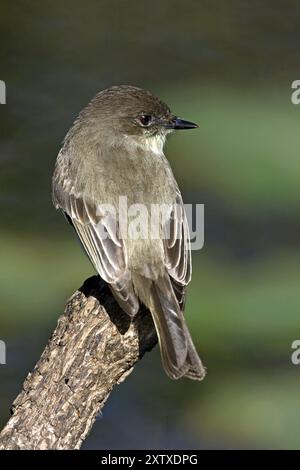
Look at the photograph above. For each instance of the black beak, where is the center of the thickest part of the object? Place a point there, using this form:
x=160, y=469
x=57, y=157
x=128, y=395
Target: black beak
x=177, y=123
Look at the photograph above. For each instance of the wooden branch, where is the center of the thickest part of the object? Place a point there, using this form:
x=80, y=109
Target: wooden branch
x=94, y=347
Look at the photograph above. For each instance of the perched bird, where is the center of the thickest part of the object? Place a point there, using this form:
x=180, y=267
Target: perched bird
x=115, y=150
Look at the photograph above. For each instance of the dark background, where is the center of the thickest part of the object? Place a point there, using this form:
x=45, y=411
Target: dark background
x=228, y=66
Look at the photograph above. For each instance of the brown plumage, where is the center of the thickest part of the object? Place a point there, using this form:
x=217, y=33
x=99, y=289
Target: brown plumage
x=115, y=148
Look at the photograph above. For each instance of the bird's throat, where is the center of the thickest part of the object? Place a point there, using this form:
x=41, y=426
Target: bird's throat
x=152, y=144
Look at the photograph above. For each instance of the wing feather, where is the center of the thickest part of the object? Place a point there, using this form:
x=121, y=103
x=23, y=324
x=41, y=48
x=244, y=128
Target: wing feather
x=98, y=234
x=177, y=250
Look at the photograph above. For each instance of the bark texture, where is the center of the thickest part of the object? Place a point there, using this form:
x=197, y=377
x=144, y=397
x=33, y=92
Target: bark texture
x=93, y=348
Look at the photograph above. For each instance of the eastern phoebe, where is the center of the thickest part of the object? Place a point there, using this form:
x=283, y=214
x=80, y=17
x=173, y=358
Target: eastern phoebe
x=115, y=149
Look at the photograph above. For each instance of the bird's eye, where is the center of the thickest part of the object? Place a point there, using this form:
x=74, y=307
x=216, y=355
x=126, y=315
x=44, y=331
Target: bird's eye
x=145, y=119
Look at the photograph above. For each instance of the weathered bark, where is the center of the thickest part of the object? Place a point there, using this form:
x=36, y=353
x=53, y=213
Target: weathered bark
x=94, y=347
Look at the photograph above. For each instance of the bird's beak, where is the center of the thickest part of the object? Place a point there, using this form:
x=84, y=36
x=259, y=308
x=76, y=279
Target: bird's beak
x=177, y=123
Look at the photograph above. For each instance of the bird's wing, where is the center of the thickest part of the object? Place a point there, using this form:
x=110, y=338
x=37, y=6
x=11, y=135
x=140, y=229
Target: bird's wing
x=177, y=250
x=179, y=356
x=98, y=233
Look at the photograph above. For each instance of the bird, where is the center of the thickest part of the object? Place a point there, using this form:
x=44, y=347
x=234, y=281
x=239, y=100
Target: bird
x=114, y=150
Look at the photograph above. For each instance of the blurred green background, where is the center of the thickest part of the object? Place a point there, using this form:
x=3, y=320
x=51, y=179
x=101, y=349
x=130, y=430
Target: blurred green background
x=228, y=66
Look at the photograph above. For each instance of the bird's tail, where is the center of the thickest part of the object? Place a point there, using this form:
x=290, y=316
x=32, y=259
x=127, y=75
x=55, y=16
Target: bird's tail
x=178, y=353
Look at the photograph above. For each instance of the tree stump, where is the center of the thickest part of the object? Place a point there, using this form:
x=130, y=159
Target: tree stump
x=94, y=347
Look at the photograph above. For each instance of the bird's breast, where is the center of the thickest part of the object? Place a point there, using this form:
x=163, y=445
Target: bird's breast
x=141, y=189
x=142, y=177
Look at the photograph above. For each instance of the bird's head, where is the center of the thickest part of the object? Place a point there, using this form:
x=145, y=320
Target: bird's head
x=133, y=112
